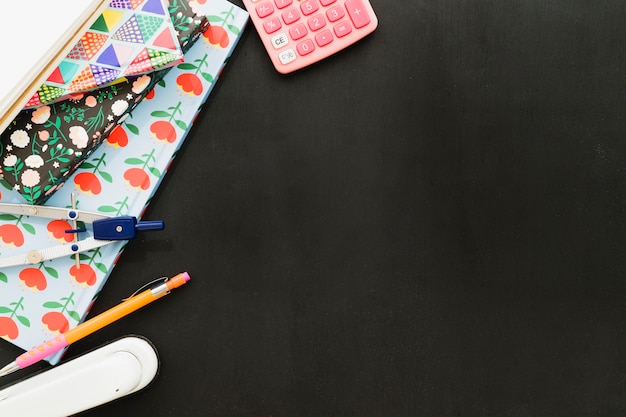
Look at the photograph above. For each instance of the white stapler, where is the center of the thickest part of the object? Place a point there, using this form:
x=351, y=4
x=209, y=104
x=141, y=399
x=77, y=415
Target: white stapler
x=110, y=372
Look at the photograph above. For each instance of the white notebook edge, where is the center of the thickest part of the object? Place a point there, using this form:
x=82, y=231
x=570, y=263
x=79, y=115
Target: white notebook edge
x=47, y=64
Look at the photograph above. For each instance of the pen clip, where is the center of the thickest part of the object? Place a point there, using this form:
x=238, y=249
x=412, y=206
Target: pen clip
x=143, y=287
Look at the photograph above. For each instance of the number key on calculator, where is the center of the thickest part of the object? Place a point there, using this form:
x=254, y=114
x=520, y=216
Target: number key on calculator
x=297, y=33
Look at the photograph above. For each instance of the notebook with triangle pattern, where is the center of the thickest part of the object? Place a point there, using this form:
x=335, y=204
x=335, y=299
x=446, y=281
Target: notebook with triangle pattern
x=34, y=37
x=130, y=37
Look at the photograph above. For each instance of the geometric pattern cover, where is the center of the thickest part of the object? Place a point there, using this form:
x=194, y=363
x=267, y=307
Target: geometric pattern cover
x=130, y=37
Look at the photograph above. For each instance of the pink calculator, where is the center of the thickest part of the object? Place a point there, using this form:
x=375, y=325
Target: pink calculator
x=297, y=33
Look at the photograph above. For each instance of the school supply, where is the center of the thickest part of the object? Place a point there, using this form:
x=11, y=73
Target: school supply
x=43, y=146
x=298, y=33
x=130, y=37
x=118, y=179
x=68, y=337
x=34, y=43
x=64, y=226
x=110, y=372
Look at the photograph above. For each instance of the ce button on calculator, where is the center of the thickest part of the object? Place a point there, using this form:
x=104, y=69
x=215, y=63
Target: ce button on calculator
x=298, y=33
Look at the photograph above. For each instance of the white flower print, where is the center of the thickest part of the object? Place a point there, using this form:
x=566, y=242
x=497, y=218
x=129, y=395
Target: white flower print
x=140, y=84
x=41, y=115
x=196, y=7
x=34, y=161
x=20, y=138
x=30, y=178
x=79, y=136
x=10, y=160
x=119, y=107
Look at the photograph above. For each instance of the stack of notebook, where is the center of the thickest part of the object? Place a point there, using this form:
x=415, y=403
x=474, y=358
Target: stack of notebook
x=109, y=147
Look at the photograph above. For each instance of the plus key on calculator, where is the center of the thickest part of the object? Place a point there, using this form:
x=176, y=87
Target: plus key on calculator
x=298, y=33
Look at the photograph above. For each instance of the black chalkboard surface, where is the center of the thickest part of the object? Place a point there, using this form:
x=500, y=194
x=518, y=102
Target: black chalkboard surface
x=430, y=223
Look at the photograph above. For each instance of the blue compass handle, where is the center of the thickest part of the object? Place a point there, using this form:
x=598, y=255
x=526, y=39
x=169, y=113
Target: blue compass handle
x=150, y=225
x=122, y=227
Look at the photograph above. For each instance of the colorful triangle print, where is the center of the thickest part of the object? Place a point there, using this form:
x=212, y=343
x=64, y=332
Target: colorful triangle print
x=48, y=93
x=149, y=25
x=103, y=75
x=84, y=81
x=116, y=55
x=100, y=25
x=55, y=77
x=165, y=40
x=120, y=4
x=130, y=37
x=107, y=21
x=153, y=6
x=124, y=53
x=92, y=42
x=87, y=47
x=34, y=101
x=63, y=73
x=68, y=70
x=129, y=32
x=140, y=64
x=150, y=59
x=136, y=3
x=159, y=58
x=109, y=57
x=78, y=52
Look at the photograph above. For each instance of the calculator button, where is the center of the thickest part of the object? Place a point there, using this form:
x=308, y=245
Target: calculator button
x=309, y=7
x=327, y=2
x=272, y=25
x=280, y=41
x=358, y=13
x=316, y=22
x=281, y=4
x=324, y=38
x=291, y=15
x=305, y=47
x=335, y=13
x=342, y=29
x=298, y=31
x=287, y=56
x=264, y=9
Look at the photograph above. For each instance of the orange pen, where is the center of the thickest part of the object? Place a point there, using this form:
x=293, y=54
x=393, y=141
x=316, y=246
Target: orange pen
x=123, y=309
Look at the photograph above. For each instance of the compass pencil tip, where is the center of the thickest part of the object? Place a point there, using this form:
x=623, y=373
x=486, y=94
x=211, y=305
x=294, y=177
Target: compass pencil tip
x=10, y=368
